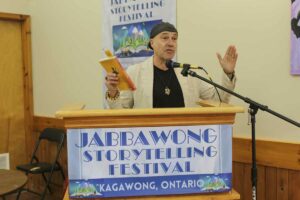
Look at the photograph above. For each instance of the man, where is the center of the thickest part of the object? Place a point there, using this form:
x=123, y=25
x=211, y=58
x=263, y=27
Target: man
x=160, y=86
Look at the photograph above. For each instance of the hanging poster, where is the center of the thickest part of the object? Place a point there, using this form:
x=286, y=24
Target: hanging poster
x=295, y=37
x=127, y=25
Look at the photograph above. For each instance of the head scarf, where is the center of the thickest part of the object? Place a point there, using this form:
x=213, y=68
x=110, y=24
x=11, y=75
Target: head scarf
x=161, y=27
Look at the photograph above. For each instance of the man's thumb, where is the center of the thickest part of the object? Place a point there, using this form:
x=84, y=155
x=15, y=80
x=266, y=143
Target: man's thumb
x=219, y=57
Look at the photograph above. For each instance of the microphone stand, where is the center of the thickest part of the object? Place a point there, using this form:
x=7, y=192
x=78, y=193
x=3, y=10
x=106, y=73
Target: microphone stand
x=253, y=108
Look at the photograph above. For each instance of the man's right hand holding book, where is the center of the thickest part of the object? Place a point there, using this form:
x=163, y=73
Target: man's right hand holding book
x=111, y=82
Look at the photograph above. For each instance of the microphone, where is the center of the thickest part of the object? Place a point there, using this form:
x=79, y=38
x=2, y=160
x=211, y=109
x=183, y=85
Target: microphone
x=172, y=64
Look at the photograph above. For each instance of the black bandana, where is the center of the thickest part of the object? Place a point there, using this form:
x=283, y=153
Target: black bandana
x=161, y=27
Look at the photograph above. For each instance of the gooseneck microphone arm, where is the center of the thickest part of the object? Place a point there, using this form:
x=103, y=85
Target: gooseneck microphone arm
x=253, y=108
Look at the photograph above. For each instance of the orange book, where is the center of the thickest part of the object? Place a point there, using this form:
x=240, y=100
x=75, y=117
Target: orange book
x=111, y=64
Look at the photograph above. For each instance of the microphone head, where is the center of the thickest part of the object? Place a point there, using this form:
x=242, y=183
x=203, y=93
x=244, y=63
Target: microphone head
x=172, y=64
x=169, y=64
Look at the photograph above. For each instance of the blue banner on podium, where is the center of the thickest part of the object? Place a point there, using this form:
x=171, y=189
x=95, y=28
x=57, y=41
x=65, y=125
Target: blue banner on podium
x=139, y=161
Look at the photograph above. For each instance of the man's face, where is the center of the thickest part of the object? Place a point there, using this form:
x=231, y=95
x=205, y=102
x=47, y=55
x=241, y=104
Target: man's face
x=164, y=45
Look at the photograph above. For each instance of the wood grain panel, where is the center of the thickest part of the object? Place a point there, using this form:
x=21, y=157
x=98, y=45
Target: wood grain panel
x=12, y=92
x=261, y=182
x=40, y=123
x=269, y=153
x=282, y=184
x=27, y=79
x=115, y=121
x=148, y=112
x=294, y=184
x=16, y=104
x=148, y=117
x=11, y=17
x=271, y=183
x=238, y=177
x=247, y=185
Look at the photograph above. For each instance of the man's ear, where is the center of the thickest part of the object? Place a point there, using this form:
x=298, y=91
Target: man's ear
x=151, y=42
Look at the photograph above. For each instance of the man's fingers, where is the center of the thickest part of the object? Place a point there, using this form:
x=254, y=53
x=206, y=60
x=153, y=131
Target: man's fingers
x=228, y=51
x=111, y=77
x=231, y=51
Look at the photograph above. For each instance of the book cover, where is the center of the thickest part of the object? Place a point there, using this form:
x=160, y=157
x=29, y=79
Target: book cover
x=112, y=65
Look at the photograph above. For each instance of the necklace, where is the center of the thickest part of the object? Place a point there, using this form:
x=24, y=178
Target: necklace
x=167, y=90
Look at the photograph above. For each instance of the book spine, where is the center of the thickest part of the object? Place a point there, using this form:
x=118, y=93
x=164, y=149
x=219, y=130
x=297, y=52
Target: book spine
x=108, y=53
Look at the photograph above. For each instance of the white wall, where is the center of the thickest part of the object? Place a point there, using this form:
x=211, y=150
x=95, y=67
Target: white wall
x=66, y=45
x=261, y=32
x=66, y=49
x=14, y=6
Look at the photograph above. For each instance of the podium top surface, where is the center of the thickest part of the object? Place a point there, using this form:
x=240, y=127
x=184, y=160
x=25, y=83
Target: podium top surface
x=211, y=113
x=149, y=112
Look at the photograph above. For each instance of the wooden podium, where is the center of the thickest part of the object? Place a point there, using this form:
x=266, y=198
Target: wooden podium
x=222, y=196
x=154, y=117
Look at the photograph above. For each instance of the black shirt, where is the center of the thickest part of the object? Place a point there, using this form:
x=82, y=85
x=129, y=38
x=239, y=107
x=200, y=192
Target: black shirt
x=167, y=91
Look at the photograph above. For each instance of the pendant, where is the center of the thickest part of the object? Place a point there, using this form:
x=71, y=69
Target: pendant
x=167, y=91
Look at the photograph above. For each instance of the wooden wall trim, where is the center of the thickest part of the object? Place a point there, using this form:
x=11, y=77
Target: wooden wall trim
x=11, y=16
x=268, y=153
x=27, y=79
x=40, y=123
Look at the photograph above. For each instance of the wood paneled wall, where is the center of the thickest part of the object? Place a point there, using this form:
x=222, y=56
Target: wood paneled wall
x=278, y=169
x=36, y=183
x=278, y=166
x=272, y=184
